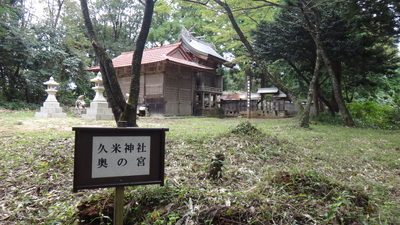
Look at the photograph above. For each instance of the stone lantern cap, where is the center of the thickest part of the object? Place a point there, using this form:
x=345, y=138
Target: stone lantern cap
x=51, y=82
x=97, y=79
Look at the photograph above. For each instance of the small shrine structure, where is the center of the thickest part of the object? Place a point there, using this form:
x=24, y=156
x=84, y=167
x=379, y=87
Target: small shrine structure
x=178, y=79
x=98, y=109
x=236, y=104
x=266, y=103
x=51, y=108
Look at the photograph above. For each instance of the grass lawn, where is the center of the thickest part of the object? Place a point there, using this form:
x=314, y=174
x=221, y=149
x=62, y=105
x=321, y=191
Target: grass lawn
x=272, y=173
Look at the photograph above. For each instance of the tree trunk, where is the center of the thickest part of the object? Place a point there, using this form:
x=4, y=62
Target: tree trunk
x=318, y=98
x=337, y=90
x=313, y=26
x=305, y=118
x=111, y=85
x=338, y=73
x=316, y=104
x=262, y=81
x=129, y=114
x=60, y=5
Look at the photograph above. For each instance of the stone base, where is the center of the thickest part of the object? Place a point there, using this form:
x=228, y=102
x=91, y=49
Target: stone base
x=50, y=110
x=98, y=111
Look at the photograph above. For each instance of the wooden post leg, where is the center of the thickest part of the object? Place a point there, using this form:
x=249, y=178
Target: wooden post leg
x=119, y=205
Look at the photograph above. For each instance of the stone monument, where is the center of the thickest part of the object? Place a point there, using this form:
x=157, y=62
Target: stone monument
x=80, y=106
x=51, y=108
x=98, y=109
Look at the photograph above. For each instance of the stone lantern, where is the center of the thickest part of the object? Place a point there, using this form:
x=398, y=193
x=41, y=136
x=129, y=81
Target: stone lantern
x=51, y=108
x=98, y=88
x=51, y=90
x=98, y=109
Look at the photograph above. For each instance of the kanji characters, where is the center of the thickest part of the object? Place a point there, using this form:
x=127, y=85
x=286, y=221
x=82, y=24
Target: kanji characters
x=129, y=147
x=102, y=163
x=102, y=149
x=116, y=148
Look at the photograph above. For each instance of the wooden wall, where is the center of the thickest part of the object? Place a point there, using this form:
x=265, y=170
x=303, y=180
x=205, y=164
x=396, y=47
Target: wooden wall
x=179, y=90
x=154, y=93
x=236, y=107
x=165, y=88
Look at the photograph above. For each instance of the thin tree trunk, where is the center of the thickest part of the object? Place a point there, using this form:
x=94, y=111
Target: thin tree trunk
x=129, y=114
x=337, y=89
x=316, y=104
x=305, y=118
x=60, y=4
x=111, y=85
x=315, y=32
x=318, y=97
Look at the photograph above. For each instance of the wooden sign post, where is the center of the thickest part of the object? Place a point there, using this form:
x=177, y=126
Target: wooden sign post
x=118, y=157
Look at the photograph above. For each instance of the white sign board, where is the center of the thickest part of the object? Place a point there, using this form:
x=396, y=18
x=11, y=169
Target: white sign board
x=120, y=156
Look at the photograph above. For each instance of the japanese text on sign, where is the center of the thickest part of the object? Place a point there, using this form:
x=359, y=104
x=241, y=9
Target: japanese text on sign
x=120, y=156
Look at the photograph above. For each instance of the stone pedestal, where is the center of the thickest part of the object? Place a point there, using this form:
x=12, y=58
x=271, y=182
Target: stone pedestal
x=98, y=109
x=51, y=108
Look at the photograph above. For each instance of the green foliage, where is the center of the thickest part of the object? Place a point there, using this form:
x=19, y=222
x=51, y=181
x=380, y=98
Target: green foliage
x=328, y=118
x=366, y=59
x=33, y=50
x=234, y=80
x=17, y=105
x=374, y=115
x=367, y=114
x=117, y=24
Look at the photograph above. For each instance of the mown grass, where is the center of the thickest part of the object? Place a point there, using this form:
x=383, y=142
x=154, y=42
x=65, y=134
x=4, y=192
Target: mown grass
x=280, y=174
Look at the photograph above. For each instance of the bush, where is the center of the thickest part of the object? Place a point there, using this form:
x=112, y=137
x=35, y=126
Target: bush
x=374, y=115
x=327, y=118
x=17, y=105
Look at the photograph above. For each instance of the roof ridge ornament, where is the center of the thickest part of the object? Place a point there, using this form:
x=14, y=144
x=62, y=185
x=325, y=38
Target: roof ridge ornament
x=185, y=32
x=198, y=47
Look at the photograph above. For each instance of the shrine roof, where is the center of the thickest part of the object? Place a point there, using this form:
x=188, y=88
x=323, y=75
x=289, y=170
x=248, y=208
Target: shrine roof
x=199, y=47
x=153, y=55
x=272, y=90
x=242, y=96
x=269, y=90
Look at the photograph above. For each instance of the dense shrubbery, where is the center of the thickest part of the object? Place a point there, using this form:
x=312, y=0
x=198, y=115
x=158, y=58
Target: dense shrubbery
x=328, y=118
x=374, y=115
x=17, y=105
x=367, y=114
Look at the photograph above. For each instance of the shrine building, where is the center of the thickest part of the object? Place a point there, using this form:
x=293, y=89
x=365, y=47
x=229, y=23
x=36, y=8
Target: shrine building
x=179, y=79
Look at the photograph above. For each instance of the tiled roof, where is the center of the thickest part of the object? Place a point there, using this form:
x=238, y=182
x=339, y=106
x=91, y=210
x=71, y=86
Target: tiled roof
x=152, y=55
x=188, y=63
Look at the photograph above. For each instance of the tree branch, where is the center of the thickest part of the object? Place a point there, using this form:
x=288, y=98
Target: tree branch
x=197, y=2
x=111, y=85
x=269, y=3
